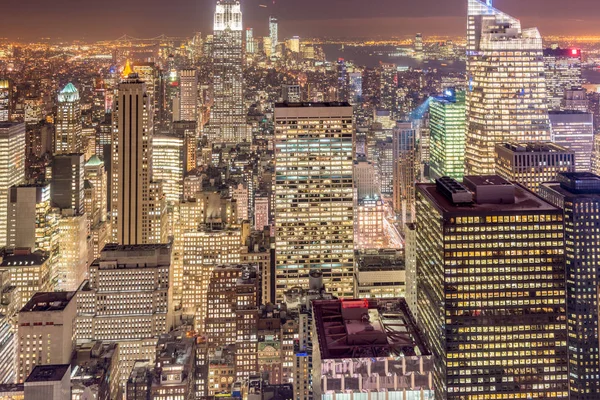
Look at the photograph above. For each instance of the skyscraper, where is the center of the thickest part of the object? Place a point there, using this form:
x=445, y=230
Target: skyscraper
x=131, y=158
x=67, y=136
x=491, y=289
x=563, y=72
x=5, y=100
x=405, y=153
x=228, y=113
x=12, y=167
x=578, y=194
x=575, y=131
x=418, y=46
x=447, y=138
x=167, y=165
x=314, y=195
x=274, y=35
x=188, y=95
x=67, y=182
x=506, y=95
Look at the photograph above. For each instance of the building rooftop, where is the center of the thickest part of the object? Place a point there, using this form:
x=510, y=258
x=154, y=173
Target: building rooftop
x=579, y=183
x=6, y=125
x=11, y=388
x=313, y=104
x=94, y=161
x=488, y=188
x=383, y=261
x=48, y=301
x=366, y=328
x=21, y=260
x=533, y=147
x=48, y=373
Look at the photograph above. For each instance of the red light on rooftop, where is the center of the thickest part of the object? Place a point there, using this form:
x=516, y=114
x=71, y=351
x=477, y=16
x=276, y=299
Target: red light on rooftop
x=574, y=51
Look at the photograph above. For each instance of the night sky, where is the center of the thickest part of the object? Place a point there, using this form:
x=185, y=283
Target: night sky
x=109, y=19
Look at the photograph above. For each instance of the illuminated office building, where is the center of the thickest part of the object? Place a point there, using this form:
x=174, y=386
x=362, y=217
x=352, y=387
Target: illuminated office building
x=447, y=124
x=293, y=44
x=342, y=80
x=29, y=272
x=67, y=182
x=31, y=222
x=291, y=93
x=73, y=258
x=131, y=162
x=575, y=131
x=67, y=136
x=418, y=46
x=369, y=230
x=388, y=84
x=491, y=289
x=384, y=166
x=250, y=41
x=167, y=165
x=95, y=173
x=405, y=153
x=533, y=163
x=274, y=35
x=186, y=131
x=365, y=180
x=262, y=211
x=506, y=95
x=576, y=100
x=46, y=331
x=188, y=95
x=563, y=72
x=150, y=74
x=12, y=168
x=313, y=166
x=578, y=194
x=5, y=100
x=228, y=114
x=128, y=295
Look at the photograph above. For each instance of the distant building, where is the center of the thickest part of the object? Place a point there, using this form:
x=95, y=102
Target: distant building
x=563, y=72
x=291, y=93
x=67, y=136
x=12, y=168
x=188, y=95
x=5, y=100
x=533, y=163
x=575, y=131
x=380, y=274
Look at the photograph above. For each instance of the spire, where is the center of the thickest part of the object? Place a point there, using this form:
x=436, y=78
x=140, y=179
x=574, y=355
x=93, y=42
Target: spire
x=127, y=70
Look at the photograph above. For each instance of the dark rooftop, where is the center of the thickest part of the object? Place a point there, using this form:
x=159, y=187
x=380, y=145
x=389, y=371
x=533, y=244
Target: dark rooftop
x=311, y=104
x=21, y=260
x=48, y=301
x=367, y=328
x=48, y=373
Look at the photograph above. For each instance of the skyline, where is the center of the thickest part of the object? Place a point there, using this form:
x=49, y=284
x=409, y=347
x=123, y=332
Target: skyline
x=336, y=18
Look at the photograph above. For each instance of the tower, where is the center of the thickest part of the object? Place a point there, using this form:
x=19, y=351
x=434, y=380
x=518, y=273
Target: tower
x=12, y=167
x=227, y=115
x=506, y=95
x=131, y=162
x=274, y=35
x=67, y=137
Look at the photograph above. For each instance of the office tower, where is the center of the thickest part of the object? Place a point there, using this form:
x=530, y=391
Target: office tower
x=533, y=163
x=250, y=42
x=33, y=110
x=369, y=228
x=578, y=194
x=491, y=288
x=365, y=180
x=5, y=100
x=418, y=46
x=387, y=87
x=150, y=74
x=357, y=341
x=7, y=352
x=274, y=35
x=228, y=113
x=48, y=382
x=131, y=162
x=563, y=72
x=67, y=136
x=157, y=228
x=291, y=93
x=506, y=97
x=266, y=45
x=575, y=131
x=262, y=211
x=447, y=124
x=355, y=83
x=168, y=165
x=95, y=173
x=31, y=222
x=293, y=44
x=12, y=167
x=311, y=230
x=128, y=295
x=240, y=194
x=410, y=261
x=342, y=80
x=380, y=274
x=188, y=95
x=73, y=257
x=67, y=182
x=46, y=331
x=384, y=164
x=405, y=154
x=29, y=272
x=576, y=100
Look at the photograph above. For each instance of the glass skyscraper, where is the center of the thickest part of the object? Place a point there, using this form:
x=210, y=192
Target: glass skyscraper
x=506, y=95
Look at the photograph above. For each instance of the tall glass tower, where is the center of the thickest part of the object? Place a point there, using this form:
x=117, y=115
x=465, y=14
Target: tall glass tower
x=273, y=34
x=68, y=121
x=227, y=115
x=506, y=96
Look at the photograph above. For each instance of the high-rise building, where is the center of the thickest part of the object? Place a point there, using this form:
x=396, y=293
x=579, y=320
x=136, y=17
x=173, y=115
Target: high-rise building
x=533, y=163
x=563, y=72
x=313, y=193
x=67, y=182
x=5, y=100
x=128, y=295
x=72, y=261
x=12, y=167
x=274, y=35
x=95, y=173
x=578, y=194
x=188, y=95
x=506, y=95
x=291, y=93
x=31, y=224
x=228, y=114
x=491, y=289
x=406, y=162
x=447, y=124
x=150, y=73
x=250, y=42
x=131, y=162
x=575, y=99
x=342, y=80
x=575, y=131
x=46, y=331
x=387, y=87
x=384, y=166
x=67, y=136
x=48, y=382
x=418, y=46
x=168, y=165
x=29, y=271
x=186, y=130
x=365, y=179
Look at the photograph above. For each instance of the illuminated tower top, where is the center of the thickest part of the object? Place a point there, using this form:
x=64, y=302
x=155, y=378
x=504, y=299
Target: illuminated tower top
x=68, y=94
x=228, y=15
